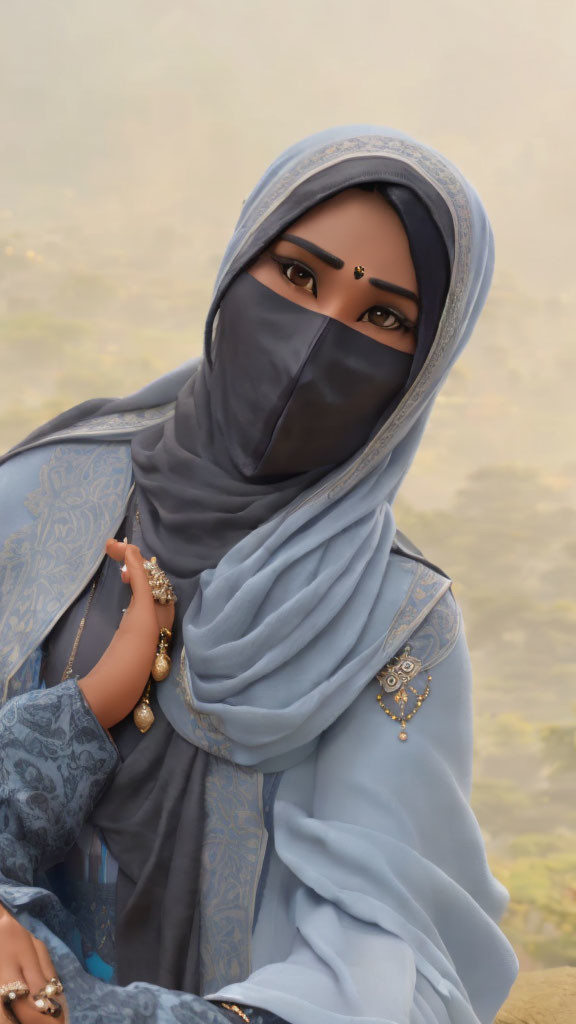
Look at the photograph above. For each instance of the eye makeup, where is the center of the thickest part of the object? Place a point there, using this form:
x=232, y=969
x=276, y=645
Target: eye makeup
x=285, y=264
x=337, y=264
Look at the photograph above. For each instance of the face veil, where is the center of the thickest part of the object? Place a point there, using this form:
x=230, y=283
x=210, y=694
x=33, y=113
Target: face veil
x=292, y=390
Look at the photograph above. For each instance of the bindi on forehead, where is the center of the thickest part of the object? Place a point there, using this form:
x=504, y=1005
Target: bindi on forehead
x=339, y=264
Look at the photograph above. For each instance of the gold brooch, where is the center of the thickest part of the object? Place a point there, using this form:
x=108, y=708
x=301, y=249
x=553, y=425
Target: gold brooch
x=395, y=678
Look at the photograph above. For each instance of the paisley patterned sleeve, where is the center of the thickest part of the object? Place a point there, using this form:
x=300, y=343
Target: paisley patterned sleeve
x=56, y=760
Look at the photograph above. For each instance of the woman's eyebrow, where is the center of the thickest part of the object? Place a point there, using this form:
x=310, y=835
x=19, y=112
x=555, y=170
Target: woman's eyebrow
x=388, y=287
x=337, y=263
x=332, y=261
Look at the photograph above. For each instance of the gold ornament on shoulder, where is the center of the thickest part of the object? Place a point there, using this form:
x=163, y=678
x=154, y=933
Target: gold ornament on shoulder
x=398, y=671
x=396, y=678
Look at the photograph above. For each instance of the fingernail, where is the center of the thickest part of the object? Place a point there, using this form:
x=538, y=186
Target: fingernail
x=124, y=568
x=125, y=541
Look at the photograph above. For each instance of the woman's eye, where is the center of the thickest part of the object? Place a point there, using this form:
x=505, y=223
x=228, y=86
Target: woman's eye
x=385, y=318
x=299, y=275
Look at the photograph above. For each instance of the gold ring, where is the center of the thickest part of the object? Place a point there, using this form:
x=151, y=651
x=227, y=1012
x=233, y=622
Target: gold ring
x=162, y=589
x=48, y=1006
x=53, y=988
x=13, y=990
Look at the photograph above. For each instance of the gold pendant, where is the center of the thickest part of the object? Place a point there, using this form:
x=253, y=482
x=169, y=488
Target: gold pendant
x=162, y=661
x=161, y=667
x=143, y=715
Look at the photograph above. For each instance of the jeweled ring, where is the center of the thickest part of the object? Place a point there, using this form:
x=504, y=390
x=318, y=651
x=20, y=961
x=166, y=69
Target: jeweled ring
x=52, y=988
x=47, y=1006
x=162, y=589
x=13, y=990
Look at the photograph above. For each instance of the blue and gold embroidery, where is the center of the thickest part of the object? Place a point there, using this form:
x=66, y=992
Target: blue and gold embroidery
x=426, y=591
x=429, y=644
x=80, y=500
x=202, y=729
x=120, y=423
x=233, y=851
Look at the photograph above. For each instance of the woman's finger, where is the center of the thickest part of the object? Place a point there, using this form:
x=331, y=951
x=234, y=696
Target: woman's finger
x=31, y=973
x=44, y=958
x=133, y=571
x=49, y=971
x=25, y=1009
x=121, y=551
x=137, y=577
x=116, y=549
x=137, y=574
x=10, y=973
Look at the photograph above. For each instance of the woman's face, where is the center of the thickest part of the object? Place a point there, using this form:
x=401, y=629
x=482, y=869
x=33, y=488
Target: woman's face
x=313, y=262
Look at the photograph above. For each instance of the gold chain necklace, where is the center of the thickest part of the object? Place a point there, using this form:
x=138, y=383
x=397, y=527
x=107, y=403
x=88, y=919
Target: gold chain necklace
x=68, y=671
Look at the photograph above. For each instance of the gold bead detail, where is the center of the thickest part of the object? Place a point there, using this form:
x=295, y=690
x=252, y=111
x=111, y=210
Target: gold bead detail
x=143, y=716
x=53, y=988
x=403, y=719
x=162, y=661
x=161, y=667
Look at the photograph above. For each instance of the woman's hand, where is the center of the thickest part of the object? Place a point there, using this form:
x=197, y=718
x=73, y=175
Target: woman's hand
x=24, y=958
x=117, y=681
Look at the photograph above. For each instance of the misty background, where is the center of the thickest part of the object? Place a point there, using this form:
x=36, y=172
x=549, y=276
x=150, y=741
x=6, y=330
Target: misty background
x=130, y=133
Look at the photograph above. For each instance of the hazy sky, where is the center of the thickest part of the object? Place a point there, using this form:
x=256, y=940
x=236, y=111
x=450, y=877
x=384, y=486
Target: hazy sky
x=131, y=131
x=121, y=115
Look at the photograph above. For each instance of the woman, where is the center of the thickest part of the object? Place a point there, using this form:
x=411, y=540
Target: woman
x=273, y=846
